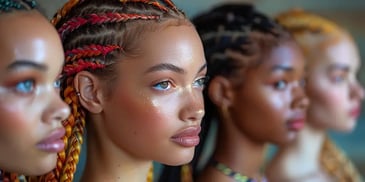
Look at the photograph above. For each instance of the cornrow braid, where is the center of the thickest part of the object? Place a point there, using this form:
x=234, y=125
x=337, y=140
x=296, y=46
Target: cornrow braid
x=95, y=35
x=9, y=5
x=76, y=22
x=90, y=51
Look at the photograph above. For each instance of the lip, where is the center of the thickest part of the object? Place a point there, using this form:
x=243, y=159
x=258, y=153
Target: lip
x=355, y=112
x=53, y=143
x=188, y=137
x=296, y=123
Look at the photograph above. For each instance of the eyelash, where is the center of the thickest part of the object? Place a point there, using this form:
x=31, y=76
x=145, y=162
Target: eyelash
x=167, y=84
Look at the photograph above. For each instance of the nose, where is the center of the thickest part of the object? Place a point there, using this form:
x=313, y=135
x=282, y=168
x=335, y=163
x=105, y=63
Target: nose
x=193, y=106
x=57, y=109
x=300, y=99
x=357, y=91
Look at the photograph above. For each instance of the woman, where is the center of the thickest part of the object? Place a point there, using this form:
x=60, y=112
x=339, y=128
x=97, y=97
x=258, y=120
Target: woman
x=254, y=93
x=335, y=96
x=31, y=109
x=135, y=71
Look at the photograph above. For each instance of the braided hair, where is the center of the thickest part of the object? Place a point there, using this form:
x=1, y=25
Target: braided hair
x=95, y=35
x=238, y=28
x=13, y=5
x=302, y=25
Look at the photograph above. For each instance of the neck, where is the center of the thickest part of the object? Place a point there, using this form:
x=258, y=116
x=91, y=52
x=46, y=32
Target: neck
x=300, y=158
x=107, y=162
x=238, y=152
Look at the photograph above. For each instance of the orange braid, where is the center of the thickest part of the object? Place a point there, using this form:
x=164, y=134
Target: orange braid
x=64, y=10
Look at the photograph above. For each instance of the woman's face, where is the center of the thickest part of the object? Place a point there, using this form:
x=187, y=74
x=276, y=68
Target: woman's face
x=333, y=88
x=156, y=107
x=31, y=109
x=270, y=104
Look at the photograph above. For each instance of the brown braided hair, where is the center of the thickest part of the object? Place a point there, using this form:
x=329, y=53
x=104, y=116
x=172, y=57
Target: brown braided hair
x=303, y=24
x=95, y=35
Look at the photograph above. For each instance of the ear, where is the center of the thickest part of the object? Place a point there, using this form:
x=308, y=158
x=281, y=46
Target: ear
x=220, y=91
x=89, y=87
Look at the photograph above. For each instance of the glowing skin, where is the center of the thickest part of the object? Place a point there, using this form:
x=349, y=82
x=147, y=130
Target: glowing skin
x=154, y=111
x=31, y=109
x=270, y=105
x=333, y=88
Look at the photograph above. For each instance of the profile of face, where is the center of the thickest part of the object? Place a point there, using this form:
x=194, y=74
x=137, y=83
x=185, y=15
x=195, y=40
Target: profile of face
x=156, y=106
x=333, y=89
x=31, y=109
x=270, y=104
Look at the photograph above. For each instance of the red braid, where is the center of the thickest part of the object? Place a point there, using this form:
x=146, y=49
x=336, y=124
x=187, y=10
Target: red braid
x=90, y=51
x=77, y=22
x=81, y=65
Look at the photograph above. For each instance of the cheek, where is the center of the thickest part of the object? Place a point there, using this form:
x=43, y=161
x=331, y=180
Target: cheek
x=330, y=99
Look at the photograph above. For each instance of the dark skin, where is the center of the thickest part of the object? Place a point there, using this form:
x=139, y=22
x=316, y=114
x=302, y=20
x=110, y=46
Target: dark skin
x=256, y=111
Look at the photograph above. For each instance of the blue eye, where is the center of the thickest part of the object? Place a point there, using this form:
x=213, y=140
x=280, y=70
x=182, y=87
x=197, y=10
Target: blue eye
x=280, y=85
x=26, y=86
x=200, y=82
x=164, y=85
x=57, y=83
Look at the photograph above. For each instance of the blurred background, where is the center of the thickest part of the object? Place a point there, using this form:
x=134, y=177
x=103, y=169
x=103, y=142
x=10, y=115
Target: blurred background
x=348, y=14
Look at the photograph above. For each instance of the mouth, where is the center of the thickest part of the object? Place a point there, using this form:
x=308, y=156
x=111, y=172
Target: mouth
x=53, y=143
x=188, y=137
x=355, y=112
x=296, y=123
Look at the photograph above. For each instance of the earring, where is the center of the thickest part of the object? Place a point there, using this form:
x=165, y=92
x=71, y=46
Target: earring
x=78, y=94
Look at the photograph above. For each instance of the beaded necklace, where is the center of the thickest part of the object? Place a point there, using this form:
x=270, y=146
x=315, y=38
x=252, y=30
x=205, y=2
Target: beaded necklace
x=231, y=173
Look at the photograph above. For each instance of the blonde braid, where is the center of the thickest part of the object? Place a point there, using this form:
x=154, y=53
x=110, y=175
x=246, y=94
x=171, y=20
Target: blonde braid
x=336, y=163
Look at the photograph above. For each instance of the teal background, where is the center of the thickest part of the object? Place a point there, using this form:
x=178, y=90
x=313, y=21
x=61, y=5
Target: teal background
x=349, y=14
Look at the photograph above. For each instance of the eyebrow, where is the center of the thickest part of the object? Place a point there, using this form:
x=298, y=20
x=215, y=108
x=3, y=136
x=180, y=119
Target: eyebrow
x=202, y=68
x=165, y=66
x=25, y=63
x=282, y=68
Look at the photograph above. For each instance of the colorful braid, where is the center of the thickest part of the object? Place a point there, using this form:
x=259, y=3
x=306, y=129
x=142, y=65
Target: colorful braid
x=90, y=51
x=8, y=5
x=81, y=65
x=94, y=54
x=77, y=22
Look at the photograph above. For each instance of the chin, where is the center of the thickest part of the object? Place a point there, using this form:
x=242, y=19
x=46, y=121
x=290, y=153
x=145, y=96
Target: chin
x=43, y=166
x=178, y=158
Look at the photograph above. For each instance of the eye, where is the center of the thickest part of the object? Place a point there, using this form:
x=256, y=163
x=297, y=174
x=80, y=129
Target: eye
x=280, y=85
x=200, y=82
x=57, y=83
x=164, y=85
x=338, y=79
x=25, y=87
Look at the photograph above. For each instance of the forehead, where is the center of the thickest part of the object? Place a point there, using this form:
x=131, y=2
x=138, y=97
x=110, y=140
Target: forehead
x=28, y=36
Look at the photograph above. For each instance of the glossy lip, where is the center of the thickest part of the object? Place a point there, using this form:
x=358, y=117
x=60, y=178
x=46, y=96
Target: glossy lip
x=188, y=137
x=53, y=143
x=296, y=123
x=355, y=112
